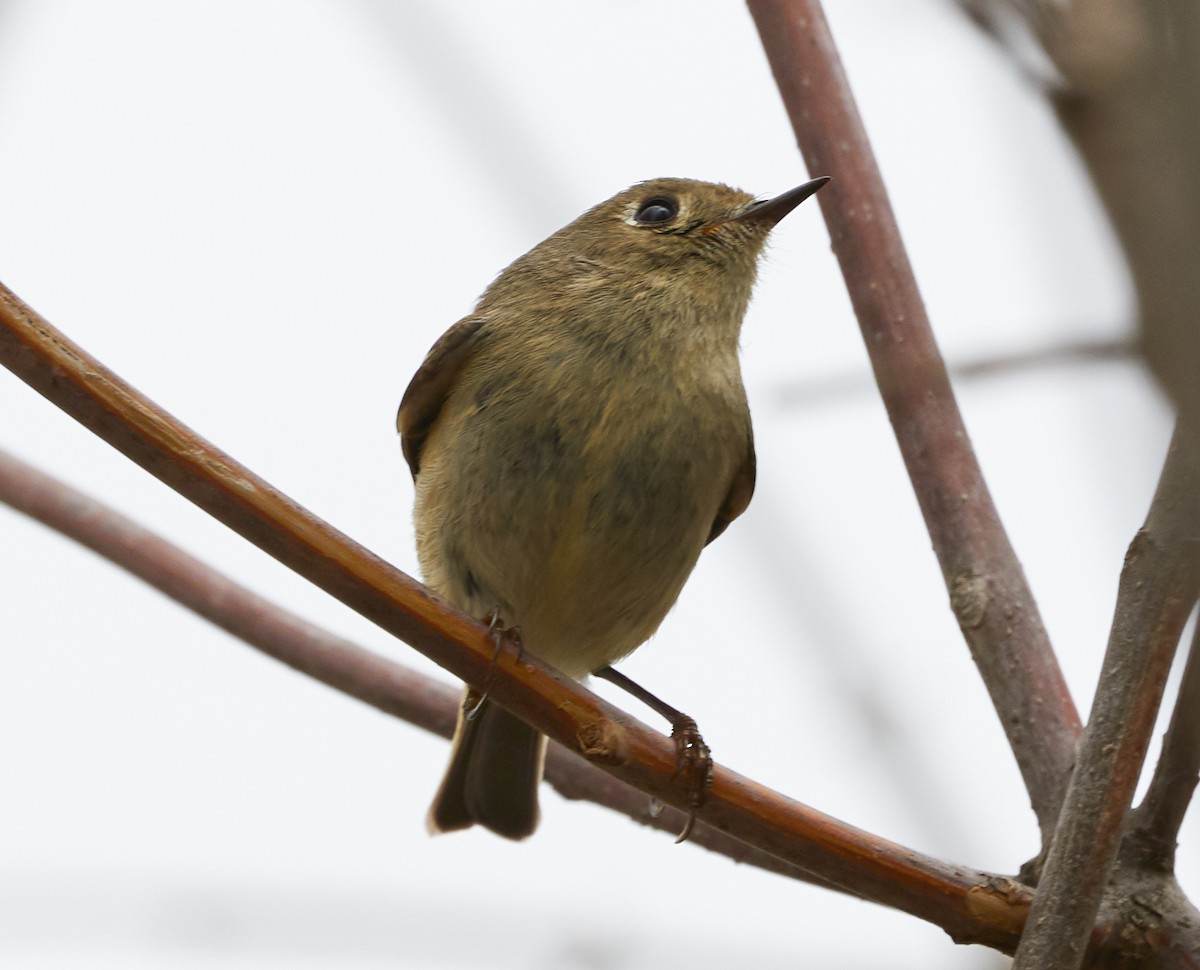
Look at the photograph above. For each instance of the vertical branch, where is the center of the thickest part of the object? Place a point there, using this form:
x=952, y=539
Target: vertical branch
x=988, y=591
x=1158, y=587
x=1158, y=818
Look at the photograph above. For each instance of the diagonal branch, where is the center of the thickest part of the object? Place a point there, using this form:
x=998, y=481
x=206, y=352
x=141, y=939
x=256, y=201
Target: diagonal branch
x=309, y=649
x=970, y=906
x=1159, y=585
x=988, y=591
x=278, y=633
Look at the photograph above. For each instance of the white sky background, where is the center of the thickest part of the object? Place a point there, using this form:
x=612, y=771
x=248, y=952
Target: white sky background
x=262, y=214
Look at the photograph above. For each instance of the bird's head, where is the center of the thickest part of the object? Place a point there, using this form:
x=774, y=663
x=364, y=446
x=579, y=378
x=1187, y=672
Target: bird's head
x=676, y=225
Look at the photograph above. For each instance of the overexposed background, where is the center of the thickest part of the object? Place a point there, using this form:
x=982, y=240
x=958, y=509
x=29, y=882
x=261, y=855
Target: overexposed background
x=262, y=214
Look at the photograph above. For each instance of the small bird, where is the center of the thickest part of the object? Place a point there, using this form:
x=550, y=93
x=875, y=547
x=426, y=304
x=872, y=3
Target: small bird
x=575, y=443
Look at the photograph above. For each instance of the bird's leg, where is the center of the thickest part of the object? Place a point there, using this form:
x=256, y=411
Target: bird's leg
x=693, y=759
x=499, y=634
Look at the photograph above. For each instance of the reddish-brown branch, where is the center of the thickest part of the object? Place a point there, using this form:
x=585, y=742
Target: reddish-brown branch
x=306, y=647
x=970, y=906
x=988, y=591
x=1158, y=587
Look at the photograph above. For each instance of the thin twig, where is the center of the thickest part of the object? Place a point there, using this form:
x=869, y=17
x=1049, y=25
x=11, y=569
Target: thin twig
x=1158, y=587
x=970, y=906
x=1157, y=820
x=988, y=591
x=1065, y=354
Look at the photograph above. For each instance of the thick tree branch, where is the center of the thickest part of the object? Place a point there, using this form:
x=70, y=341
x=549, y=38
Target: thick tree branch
x=1158, y=588
x=970, y=906
x=988, y=591
x=1127, y=92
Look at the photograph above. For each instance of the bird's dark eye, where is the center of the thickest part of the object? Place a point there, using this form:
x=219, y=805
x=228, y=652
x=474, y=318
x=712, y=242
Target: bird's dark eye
x=659, y=209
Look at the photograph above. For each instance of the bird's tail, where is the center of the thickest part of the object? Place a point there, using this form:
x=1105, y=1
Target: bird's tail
x=495, y=766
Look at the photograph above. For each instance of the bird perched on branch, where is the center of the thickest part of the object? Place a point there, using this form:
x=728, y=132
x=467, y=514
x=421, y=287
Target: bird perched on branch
x=575, y=443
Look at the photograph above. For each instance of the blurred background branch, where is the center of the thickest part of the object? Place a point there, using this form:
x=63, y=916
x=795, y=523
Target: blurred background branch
x=1127, y=92
x=1068, y=353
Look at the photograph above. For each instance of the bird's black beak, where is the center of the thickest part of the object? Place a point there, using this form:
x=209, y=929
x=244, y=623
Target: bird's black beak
x=771, y=211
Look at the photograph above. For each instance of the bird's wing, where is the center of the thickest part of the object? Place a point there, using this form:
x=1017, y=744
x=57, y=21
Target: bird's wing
x=740, y=490
x=431, y=384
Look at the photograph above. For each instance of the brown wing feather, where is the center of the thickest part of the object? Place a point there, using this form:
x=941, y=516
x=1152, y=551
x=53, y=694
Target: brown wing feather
x=431, y=383
x=740, y=491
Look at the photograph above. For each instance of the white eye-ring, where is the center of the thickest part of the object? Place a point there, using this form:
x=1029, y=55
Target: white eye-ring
x=654, y=211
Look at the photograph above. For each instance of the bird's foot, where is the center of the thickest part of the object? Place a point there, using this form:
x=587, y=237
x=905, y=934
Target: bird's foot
x=693, y=767
x=500, y=635
x=693, y=759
